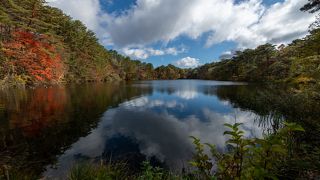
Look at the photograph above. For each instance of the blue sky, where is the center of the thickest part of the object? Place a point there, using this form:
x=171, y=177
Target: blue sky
x=188, y=33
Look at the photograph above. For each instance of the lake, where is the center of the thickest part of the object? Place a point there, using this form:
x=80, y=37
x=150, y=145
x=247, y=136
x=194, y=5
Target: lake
x=45, y=131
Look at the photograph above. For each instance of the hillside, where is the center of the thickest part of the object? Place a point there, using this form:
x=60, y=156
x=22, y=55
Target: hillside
x=297, y=63
x=41, y=45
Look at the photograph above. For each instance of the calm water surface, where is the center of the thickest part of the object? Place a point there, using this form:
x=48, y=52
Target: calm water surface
x=46, y=130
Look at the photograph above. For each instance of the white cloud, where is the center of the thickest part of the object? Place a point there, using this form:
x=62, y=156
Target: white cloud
x=88, y=12
x=188, y=62
x=85, y=10
x=187, y=94
x=143, y=102
x=157, y=135
x=227, y=55
x=283, y=22
x=248, y=23
x=144, y=53
x=136, y=53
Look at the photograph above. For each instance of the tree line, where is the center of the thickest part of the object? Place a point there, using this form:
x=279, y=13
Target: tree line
x=41, y=45
x=297, y=62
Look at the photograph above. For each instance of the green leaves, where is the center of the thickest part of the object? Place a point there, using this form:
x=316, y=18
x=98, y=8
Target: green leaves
x=253, y=158
x=292, y=127
x=151, y=173
x=248, y=158
x=201, y=160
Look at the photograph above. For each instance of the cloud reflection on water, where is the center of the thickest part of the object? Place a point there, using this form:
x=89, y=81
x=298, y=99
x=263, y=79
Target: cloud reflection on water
x=161, y=124
x=159, y=134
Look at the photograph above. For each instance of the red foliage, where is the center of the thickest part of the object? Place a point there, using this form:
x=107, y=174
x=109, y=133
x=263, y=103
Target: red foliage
x=44, y=107
x=33, y=55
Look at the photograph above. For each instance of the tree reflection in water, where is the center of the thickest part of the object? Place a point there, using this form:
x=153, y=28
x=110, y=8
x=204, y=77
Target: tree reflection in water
x=51, y=128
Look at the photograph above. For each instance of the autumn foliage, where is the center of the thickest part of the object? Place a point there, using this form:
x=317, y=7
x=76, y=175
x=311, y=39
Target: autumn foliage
x=33, y=55
x=43, y=109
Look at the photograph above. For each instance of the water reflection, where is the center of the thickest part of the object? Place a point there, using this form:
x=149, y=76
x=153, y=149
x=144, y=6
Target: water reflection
x=158, y=126
x=46, y=131
x=44, y=108
x=39, y=125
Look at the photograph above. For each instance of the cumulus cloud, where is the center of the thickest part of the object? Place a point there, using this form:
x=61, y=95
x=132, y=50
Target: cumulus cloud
x=144, y=53
x=166, y=136
x=188, y=62
x=88, y=12
x=248, y=23
x=227, y=55
x=84, y=10
x=283, y=22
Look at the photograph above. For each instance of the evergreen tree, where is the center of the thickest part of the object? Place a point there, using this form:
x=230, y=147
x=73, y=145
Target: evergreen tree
x=312, y=6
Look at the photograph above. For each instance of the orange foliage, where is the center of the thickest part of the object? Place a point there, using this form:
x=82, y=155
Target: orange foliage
x=32, y=54
x=45, y=107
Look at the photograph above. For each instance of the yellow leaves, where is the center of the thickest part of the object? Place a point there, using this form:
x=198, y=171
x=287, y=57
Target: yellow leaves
x=304, y=80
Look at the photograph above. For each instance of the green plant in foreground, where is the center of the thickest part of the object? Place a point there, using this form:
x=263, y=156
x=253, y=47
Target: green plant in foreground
x=118, y=171
x=201, y=160
x=99, y=172
x=246, y=158
x=151, y=173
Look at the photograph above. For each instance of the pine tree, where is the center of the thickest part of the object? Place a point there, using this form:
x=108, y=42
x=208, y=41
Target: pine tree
x=312, y=6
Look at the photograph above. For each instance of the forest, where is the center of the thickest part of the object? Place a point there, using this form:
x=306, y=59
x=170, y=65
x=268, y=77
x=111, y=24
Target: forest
x=297, y=63
x=40, y=45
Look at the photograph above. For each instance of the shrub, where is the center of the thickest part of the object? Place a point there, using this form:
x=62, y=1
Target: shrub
x=246, y=158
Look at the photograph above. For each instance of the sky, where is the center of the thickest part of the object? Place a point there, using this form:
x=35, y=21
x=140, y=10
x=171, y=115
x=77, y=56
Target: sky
x=188, y=33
